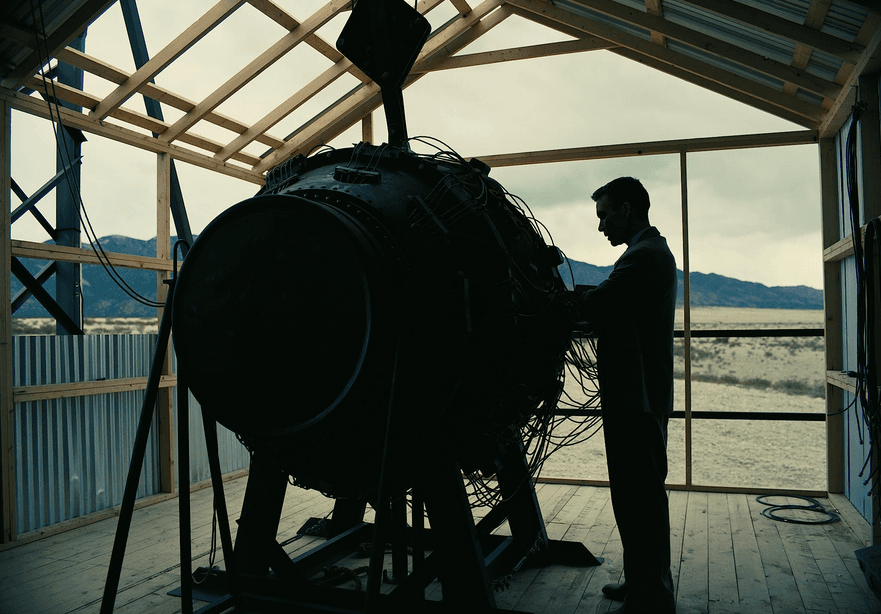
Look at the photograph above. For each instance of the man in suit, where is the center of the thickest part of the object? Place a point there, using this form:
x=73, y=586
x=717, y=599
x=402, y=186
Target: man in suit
x=631, y=313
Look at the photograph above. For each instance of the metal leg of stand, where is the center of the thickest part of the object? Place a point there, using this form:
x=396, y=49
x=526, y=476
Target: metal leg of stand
x=261, y=512
x=183, y=468
x=220, y=503
x=138, y=451
x=418, y=524
x=383, y=511
x=463, y=572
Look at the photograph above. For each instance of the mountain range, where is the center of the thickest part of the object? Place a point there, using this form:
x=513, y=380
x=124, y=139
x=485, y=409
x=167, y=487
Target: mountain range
x=102, y=297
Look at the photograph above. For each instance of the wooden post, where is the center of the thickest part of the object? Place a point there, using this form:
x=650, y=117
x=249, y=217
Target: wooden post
x=367, y=128
x=7, y=407
x=686, y=313
x=830, y=199
x=870, y=148
x=165, y=400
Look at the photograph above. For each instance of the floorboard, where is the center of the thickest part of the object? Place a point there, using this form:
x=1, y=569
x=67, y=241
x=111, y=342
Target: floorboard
x=726, y=558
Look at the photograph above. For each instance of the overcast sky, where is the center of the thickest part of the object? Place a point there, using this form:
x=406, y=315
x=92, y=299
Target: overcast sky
x=753, y=215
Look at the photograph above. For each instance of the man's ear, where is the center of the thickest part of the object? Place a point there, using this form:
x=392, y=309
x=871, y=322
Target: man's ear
x=625, y=209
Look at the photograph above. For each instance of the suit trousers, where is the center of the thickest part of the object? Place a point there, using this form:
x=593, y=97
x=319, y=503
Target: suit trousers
x=636, y=454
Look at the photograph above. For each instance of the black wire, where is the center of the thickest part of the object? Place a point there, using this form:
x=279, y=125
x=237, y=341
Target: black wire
x=53, y=105
x=543, y=432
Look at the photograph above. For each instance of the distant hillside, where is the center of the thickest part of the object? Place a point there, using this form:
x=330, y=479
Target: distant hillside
x=709, y=289
x=102, y=297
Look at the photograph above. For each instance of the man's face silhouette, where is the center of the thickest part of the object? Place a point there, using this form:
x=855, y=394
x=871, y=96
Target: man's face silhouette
x=613, y=220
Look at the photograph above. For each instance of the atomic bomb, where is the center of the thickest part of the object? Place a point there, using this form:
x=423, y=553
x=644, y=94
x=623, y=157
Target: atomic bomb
x=359, y=280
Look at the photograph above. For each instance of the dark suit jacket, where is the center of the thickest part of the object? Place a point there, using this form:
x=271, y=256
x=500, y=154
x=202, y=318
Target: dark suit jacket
x=632, y=313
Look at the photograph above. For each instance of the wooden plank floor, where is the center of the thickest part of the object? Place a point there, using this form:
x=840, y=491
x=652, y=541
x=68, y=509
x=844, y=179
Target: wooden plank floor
x=727, y=558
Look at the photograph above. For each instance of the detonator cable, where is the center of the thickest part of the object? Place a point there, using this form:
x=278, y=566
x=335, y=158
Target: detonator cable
x=54, y=111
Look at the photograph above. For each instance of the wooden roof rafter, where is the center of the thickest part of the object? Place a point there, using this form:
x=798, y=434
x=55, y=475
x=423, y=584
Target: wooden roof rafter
x=299, y=98
x=166, y=56
x=285, y=20
x=255, y=67
x=365, y=99
x=817, y=12
x=73, y=119
x=653, y=7
x=101, y=69
x=446, y=63
x=133, y=118
x=68, y=28
x=587, y=43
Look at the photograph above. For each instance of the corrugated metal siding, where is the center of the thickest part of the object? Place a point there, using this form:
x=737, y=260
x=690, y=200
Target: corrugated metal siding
x=840, y=23
x=844, y=20
x=793, y=10
x=233, y=455
x=72, y=455
x=734, y=32
x=728, y=66
x=604, y=19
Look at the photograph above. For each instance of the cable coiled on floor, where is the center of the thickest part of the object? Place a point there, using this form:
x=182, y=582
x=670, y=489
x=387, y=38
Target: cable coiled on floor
x=815, y=506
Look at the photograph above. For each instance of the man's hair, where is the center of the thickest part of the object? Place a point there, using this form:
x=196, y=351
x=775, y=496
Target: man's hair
x=626, y=190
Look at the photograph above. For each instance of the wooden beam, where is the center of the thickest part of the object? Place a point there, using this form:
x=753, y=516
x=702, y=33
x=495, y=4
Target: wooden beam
x=285, y=20
x=38, y=108
x=708, y=44
x=334, y=72
x=686, y=299
x=140, y=120
x=868, y=62
x=299, y=98
x=587, y=43
x=653, y=7
x=24, y=394
x=768, y=22
x=367, y=128
x=462, y=6
x=815, y=19
x=48, y=251
x=166, y=56
x=841, y=249
x=841, y=380
x=165, y=397
x=647, y=52
x=832, y=341
x=366, y=98
x=101, y=69
x=649, y=148
x=87, y=12
x=255, y=68
x=290, y=105
x=7, y=405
